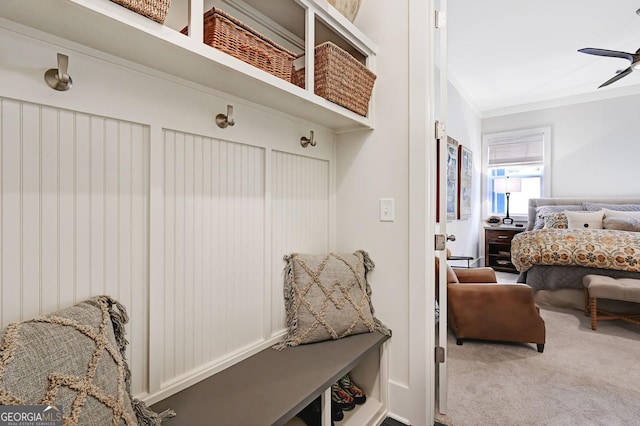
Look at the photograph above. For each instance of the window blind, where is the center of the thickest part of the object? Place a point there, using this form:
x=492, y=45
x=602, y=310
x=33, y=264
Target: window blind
x=520, y=150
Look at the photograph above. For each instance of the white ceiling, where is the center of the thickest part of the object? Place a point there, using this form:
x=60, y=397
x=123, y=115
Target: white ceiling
x=508, y=56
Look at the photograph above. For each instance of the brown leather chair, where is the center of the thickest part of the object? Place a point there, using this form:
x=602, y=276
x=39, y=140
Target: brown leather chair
x=480, y=308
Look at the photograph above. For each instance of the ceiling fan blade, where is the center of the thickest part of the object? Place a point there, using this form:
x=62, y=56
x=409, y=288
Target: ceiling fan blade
x=617, y=77
x=610, y=53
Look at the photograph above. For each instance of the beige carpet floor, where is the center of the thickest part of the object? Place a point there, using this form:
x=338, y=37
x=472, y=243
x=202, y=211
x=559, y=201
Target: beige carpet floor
x=584, y=377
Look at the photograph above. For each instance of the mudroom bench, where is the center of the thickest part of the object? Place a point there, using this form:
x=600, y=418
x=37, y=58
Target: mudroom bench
x=271, y=387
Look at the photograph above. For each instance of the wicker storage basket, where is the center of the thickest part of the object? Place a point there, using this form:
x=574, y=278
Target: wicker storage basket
x=152, y=9
x=226, y=33
x=339, y=78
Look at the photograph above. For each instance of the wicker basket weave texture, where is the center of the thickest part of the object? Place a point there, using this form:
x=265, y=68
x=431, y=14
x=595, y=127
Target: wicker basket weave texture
x=340, y=78
x=232, y=36
x=153, y=9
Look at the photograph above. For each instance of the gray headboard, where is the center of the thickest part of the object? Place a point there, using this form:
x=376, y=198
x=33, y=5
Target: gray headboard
x=537, y=202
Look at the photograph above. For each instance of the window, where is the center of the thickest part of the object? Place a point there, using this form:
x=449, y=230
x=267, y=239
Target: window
x=521, y=154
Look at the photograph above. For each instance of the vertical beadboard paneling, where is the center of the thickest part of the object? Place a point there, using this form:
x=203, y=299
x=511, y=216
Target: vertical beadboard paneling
x=30, y=208
x=66, y=209
x=179, y=258
x=81, y=209
x=97, y=204
x=74, y=220
x=197, y=333
x=73, y=216
x=214, y=197
x=11, y=212
x=139, y=219
x=111, y=207
x=300, y=202
x=50, y=210
x=125, y=229
x=208, y=337
x=169, y=186
x=188, y=251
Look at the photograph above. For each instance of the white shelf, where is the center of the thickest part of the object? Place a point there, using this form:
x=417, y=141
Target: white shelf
x=110, y=28
x=370, y=413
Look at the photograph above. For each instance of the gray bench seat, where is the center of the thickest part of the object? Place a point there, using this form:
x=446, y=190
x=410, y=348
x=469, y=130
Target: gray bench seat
x=270, y=387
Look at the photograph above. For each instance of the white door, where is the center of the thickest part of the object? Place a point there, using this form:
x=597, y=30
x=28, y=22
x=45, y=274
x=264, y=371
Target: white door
x=440, y=38
x=424, y=103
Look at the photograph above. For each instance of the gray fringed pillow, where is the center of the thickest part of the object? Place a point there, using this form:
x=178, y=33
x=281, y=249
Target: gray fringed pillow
x=74, y=358
x=328, y=297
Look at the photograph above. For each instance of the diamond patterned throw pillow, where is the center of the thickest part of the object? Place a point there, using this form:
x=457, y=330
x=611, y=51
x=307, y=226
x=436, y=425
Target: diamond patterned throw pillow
x=328, y=297
x=73, y=358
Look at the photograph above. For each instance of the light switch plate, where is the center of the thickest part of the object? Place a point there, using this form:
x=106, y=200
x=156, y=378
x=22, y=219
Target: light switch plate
x=387, y=210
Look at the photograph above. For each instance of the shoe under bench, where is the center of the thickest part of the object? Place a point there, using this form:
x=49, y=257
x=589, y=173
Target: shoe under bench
x=271, y=387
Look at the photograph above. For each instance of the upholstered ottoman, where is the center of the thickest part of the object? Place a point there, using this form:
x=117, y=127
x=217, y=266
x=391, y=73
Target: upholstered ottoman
x=603, y=287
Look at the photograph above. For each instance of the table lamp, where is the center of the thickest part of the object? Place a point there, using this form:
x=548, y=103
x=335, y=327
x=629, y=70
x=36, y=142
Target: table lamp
x=506, y=185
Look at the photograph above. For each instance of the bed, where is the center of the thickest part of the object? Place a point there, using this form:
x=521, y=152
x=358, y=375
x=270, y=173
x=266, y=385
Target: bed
x=553, y=260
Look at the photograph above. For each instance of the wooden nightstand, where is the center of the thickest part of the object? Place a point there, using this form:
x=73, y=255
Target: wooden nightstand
x=497, y=247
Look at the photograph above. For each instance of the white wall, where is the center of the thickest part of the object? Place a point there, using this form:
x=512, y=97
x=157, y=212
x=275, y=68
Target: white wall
x=594, y=145
x=374, y=165
x=463, y=124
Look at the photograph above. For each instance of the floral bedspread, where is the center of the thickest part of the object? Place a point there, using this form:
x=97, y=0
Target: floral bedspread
x=594, y=248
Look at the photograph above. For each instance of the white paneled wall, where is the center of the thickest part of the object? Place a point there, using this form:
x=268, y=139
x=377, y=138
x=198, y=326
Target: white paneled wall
x=73, y=215
x=214, y=198
x=300, y=222
x=74, y=211
x=219, y=296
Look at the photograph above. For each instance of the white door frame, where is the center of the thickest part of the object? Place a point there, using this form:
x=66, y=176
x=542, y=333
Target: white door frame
x=422, y=184
x=442, y=385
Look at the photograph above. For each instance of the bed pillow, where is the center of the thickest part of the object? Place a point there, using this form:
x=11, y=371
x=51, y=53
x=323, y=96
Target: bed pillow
x=544, y=211
x=584, y=220
x=592, y=207
x=624, y=214
x=556, y=221
x=621, y=223
x=328, y=297
x=73, y=359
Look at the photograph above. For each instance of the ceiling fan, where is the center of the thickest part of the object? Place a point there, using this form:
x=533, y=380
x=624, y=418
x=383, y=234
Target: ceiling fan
x=633, y=58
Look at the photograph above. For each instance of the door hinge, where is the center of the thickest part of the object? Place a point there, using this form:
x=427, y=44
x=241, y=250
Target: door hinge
x=441, y=19
x=439, y=354
x=441, y=129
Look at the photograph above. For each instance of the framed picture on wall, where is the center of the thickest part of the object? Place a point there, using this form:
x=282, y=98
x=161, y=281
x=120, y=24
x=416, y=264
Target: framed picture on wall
x=465, y=173
x=452, y=179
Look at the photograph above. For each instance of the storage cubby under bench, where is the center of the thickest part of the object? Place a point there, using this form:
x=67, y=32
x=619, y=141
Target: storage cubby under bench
x=270, y=387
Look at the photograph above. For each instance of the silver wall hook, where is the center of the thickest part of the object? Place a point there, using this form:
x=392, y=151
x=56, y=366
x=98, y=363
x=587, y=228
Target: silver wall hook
x=58, y=79
x=226, y=120
x=306, y=141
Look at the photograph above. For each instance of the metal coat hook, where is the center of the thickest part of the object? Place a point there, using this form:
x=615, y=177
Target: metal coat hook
x=225, y=120
x=306, y=141
x=58, y=79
